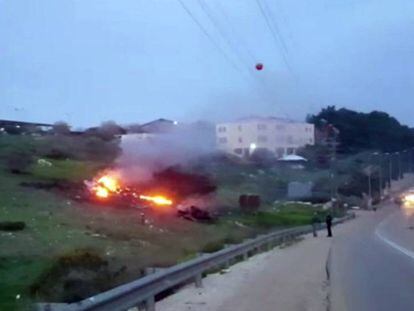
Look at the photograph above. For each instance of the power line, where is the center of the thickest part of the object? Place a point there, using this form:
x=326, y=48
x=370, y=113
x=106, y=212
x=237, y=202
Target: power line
x=209, y=14
x=231, y=43
x=257, y=81
x=275, y=25
x=205, y=32
x=273, y=33
x=283, y=42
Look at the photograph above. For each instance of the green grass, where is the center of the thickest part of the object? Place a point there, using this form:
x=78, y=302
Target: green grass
x=280, y=215
x=16, y=274
x=56, y=224
x=69, y=170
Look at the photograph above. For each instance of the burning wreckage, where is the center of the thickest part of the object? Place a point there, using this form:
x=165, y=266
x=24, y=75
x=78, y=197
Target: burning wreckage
x=170, y=190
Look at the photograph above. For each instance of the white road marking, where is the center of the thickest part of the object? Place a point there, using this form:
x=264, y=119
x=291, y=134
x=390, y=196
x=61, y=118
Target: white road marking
x=391, y=243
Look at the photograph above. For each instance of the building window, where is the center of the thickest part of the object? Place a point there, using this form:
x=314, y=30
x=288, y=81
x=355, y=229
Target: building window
x=262, y=138
x=280, y=152
x=289, y=140
x=238, y=151
x=290, y=150
x=261, y=127
x=311, y=140
x=221, y=129
x=240, y=128
x=222, y=140
x=240, y=139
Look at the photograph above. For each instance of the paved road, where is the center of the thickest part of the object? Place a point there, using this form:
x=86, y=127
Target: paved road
x=372, y=263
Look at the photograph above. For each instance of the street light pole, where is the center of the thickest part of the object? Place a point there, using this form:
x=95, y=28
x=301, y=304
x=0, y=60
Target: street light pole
x=390, y=169
x=399, y=164
x=379, y=163
x=380, y=176
x=369, y=190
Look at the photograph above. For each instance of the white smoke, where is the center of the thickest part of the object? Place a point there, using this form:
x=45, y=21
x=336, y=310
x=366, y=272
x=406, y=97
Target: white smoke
x=144, y=154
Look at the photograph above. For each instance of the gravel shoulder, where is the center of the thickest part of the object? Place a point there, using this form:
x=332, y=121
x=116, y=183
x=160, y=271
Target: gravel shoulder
x=291, y=278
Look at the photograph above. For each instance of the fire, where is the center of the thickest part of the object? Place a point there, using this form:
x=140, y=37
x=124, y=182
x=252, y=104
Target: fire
x=159, y=199
x=109, y=182
x=105, y=185
x=110, y=185
x=101, y=192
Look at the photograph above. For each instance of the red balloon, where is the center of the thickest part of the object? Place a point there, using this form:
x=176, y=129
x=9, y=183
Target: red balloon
x=259, y=66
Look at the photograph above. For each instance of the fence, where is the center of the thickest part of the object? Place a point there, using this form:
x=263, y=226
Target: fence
x=141, y=293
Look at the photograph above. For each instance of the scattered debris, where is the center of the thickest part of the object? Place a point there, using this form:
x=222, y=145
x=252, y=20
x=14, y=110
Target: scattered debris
x=12, y=225
x=43, y=162
x=195, y=213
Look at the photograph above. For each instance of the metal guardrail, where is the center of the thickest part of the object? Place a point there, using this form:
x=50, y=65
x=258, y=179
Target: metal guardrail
x=141, y=293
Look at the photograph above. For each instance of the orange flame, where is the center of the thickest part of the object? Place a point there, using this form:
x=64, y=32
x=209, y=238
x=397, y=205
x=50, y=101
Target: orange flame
x=109, y=182
x=106, y=185
x=101, y=192
x=158, y=200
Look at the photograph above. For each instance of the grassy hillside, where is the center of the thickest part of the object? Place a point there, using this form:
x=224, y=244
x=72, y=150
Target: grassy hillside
x=63, y=234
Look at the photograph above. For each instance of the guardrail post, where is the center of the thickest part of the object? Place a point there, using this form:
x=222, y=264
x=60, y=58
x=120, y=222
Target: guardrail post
x=269, y=246
x=198, y=280
x=150, y=304
x=245, y=256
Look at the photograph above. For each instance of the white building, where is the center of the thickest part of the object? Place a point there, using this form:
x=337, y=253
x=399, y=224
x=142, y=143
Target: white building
x=279, y=136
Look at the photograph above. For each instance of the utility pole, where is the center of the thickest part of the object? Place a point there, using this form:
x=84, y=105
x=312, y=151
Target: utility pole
x=399, y=164
x=369, y=189
x=390, y=170
x=369, y=174
x=332, y=136
x=380, y=176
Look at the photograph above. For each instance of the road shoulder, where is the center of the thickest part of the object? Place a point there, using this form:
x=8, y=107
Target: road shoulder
x=294, y=277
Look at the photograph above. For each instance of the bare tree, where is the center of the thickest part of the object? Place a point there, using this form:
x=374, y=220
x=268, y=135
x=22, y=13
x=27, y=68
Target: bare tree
x=109, y=130
x=61, y=128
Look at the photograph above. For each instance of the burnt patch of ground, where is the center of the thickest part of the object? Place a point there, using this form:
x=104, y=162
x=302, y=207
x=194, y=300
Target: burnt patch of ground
x=12, y=225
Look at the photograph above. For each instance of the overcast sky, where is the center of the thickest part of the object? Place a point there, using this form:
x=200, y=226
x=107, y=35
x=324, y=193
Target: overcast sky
x=87, y=61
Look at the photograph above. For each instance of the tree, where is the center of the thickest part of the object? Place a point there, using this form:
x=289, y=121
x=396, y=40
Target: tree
x=365, y=131
x=318, y=156
x=109, y=130
x=61, y=128
x=19, y=161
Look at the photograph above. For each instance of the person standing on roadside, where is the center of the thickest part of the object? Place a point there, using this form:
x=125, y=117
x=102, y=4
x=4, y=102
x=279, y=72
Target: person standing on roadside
x=315, y=224
x=328, y=221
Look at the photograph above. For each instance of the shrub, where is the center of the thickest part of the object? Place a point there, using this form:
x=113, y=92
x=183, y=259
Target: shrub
x=19, y=161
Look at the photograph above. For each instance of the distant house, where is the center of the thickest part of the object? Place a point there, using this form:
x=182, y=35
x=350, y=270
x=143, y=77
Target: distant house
x=115, y=129
x=22, y=127
x=279, y=136
x=159, y=126
x=148, y=131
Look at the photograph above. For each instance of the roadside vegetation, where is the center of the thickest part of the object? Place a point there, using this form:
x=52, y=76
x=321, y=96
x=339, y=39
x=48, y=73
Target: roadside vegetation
x=47, y=232
x=61, y=234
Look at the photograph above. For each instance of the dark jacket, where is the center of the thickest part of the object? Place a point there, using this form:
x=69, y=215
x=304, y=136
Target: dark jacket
x=328, y=219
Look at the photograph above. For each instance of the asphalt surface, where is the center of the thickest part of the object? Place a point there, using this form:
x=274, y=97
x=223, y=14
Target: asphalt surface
x=372, y=263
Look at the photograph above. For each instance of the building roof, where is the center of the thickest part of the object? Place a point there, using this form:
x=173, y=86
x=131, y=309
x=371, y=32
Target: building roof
x=158, y=126
x=264, y=119
x=22, y=123
x=293, y=158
